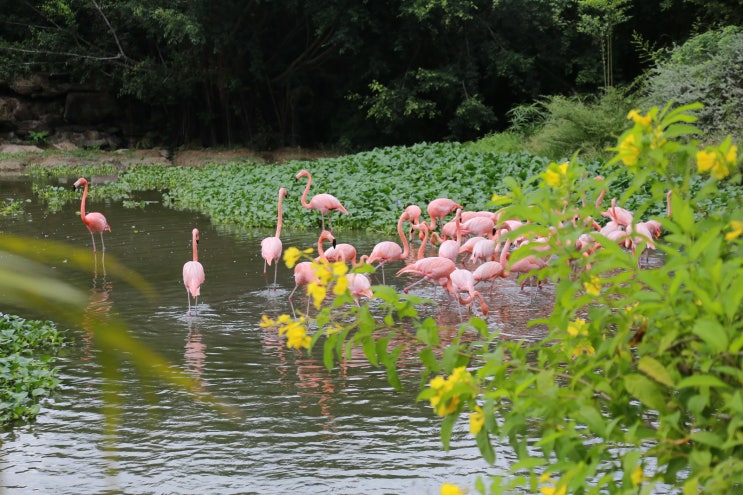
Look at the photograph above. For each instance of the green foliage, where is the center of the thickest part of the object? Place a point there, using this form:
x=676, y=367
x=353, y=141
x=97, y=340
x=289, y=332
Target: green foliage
x=39, y=137
x=26, y=373
x=587, y=124
x=705, y=69
x=637, y=384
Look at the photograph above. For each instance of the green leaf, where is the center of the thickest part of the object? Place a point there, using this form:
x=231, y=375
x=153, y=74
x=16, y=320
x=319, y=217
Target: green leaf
x=593, y=419
x=655, y=370
x=447, y=426
x=701, y=381
x=645, y=390
x=486, y=448
x=712, y=333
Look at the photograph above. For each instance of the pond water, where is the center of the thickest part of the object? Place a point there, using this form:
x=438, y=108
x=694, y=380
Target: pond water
x=302, y=429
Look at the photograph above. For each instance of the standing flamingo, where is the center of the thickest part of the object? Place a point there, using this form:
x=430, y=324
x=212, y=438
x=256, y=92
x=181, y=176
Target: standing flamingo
x=439, y=208
x=464, y=281
x=359, y=285
x=324, y=203
x=193, y=273
x=94, y=221
x=271, y=246
x=490, y=270
x=435, y=269
x=387, y=251
x=450, y=248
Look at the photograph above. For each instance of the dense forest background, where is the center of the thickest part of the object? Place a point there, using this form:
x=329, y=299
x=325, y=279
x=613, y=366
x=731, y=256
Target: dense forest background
x=343, y=74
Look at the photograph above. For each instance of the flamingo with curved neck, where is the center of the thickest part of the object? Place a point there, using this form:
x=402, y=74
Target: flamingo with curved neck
x=94, y=221
x=271, y=247
x=324, y=203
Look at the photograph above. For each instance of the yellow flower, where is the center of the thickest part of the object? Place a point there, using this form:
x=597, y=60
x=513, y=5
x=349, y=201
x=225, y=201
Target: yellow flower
x=629, y=151
x=498, y=197
x=593, y=287
x=322, y=271
x=577, y=328
x=318, y=292
x=555, y=175
x=339, y=269
x=731, y=156
x=296, y=337
x=637, y=118
x=736, y=230
x=266, y=322
x=341, y=285
x=477, y=420
x=552, y=490
x=709, y=160
x=449, y=489
x=583, y=348
x=637, y=475
x=291, y=255
x=333, y=329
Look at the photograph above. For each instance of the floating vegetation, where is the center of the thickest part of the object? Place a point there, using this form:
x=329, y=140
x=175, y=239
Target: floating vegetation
x=26, y=373
x=375, y=186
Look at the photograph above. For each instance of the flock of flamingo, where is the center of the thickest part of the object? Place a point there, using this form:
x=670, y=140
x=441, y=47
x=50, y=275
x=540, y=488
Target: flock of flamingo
x=469, y=249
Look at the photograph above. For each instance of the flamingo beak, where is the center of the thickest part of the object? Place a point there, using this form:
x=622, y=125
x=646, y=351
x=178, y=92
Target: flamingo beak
x=333, y=242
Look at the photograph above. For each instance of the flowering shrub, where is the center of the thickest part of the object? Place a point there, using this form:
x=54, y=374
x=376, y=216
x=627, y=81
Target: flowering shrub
x=639, y=381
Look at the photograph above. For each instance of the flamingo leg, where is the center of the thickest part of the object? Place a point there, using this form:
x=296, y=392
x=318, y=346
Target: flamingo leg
x=92, y=238
x=103, y=248
x=275, y=271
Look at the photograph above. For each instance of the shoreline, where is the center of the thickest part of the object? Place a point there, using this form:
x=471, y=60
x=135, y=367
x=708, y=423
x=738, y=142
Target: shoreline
x=14, y=160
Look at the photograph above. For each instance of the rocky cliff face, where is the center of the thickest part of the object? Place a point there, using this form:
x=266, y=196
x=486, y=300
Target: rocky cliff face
x=40, y=109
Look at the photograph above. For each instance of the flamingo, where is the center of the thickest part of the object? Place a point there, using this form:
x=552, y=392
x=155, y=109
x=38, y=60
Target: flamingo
x=325, y=235
x=462, y=280
x=618, y=214
x=342, y=252
x=387, y=251
x=324, y=203
x=439, y=208
x=490, y=270
x=450, y=248
x=94, y=221
x=527, y=265
x=433, y=268
x=193, y=273
x=271, y=246
x=359, y=285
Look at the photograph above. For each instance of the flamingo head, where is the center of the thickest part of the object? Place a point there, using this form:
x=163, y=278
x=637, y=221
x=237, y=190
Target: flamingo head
x=195, y=233
x=302, y=173
x=282, y=192
x=81, y=182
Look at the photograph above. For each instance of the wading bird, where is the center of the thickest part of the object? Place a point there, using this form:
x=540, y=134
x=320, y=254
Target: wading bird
x=193, y=273
x=271, y=246
x=94, y=221
x=324, y=203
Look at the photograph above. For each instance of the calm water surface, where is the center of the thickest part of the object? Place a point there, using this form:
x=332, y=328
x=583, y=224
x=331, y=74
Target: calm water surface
x=302, y=429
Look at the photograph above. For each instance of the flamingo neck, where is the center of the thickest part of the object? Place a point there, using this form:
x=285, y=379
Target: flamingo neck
x=424, y=242
x=403, y=237
x=82, y=202
x=281, y=217
x=195, y=244
x=504, y=254
x=306, y=192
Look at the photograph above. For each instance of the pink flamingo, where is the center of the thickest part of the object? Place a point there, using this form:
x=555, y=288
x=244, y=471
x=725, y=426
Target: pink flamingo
x=359, y=285
x=271, y=246
x=193, y=273
x=324, y=203
x=413, y=213
x=618, y=214
x=490, y=270
x=462, y=280
x=433, y=268
x=526, y=266
x=450, y=248
x=342, y=252
x=94, y=221
x=325, y=235
x=423, y=227
x=387, y=251
x=438, y=209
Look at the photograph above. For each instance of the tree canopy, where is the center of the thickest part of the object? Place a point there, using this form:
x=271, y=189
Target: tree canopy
x=338, y=73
